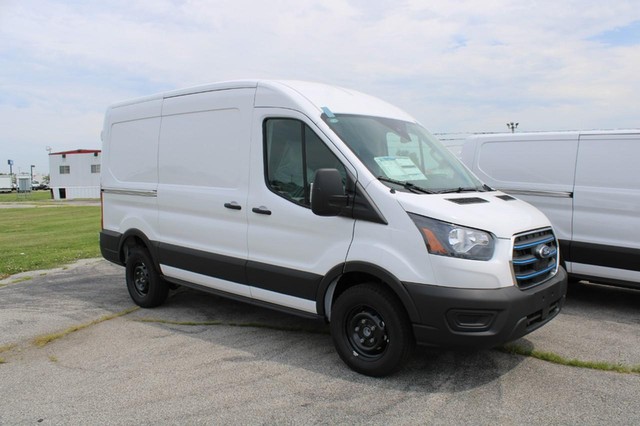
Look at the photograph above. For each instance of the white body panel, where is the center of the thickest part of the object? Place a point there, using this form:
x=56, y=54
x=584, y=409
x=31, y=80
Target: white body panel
x=202, y=165
x=129, y=179
x=607, y=199
x=587, y=183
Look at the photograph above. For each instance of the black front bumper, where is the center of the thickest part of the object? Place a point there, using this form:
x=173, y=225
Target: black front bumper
x=484, y=318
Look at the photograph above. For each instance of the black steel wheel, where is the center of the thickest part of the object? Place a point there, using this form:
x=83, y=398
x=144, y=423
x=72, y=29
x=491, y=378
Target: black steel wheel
x=371, y=330
x=146, y=286
x=367, y=332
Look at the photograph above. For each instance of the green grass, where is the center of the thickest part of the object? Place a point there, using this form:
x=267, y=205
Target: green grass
x=43, y=340
x=42, y=238
x=14, y=197
x=5, y=348
x=571, y=362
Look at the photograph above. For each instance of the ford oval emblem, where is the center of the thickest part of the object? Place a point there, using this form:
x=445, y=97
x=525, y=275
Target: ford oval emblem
x=543, y=251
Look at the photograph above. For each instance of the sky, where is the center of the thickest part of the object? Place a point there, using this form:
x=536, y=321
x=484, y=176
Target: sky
x=456, y=66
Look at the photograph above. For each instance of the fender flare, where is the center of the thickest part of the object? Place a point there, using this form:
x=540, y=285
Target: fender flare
x=151, y=246
x=371, y=269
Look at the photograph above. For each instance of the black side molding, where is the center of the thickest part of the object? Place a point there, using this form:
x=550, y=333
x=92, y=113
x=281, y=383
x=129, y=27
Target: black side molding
x=601, y=255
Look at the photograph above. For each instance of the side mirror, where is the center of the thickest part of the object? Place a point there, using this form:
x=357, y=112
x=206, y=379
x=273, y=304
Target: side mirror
x=327, y=193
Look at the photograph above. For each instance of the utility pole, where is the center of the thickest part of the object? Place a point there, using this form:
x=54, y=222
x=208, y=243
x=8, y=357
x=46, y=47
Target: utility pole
x=513, y=126
x=32, y=166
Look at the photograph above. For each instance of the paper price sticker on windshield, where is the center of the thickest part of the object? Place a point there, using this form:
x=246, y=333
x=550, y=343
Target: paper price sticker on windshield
x=400, y=168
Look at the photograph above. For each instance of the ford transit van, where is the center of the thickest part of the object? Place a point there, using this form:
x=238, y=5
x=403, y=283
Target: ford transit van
x=326, y=203
x=587, y=183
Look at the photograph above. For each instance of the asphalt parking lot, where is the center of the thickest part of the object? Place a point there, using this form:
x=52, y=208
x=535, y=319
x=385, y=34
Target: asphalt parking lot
x=200, y=359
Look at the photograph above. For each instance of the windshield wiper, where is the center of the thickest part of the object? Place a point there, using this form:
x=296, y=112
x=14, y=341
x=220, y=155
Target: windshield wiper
x=406, y=185
x=459, y=190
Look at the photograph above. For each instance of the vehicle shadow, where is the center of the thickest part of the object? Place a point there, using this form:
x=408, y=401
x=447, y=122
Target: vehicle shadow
x=267, y=335
x=603, y=301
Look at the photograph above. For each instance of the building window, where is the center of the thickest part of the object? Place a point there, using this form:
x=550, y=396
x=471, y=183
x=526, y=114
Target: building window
x=65, y=170
x=95, y=168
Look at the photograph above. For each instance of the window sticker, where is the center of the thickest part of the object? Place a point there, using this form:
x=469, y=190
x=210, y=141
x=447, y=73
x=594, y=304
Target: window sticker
x=400, y=168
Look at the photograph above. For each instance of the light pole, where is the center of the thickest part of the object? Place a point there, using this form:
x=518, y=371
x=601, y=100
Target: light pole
x=513, y=126
x=32, y=166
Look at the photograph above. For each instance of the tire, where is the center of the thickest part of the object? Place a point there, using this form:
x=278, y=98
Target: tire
x=146, y=286
x=371, y=330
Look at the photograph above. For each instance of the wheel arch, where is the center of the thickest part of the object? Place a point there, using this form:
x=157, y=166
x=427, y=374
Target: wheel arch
x=136, y=238
x=349, y=274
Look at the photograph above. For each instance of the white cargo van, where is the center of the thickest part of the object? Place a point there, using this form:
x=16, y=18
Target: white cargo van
x=587, y=183
x=327, y=203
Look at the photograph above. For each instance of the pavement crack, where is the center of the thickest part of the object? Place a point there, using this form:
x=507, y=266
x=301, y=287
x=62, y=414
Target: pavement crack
x=45, y=339
x=232, y=324
x=570, y=362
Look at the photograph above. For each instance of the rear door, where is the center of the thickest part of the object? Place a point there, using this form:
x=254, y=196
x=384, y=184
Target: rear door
x=290, y=248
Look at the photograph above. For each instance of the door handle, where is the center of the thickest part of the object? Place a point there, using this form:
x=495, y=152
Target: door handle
x=261, y=210
x=233, y=206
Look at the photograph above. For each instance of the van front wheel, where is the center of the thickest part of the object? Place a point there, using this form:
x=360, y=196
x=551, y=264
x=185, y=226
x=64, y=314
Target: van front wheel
x=146, y=286
x=371, y=330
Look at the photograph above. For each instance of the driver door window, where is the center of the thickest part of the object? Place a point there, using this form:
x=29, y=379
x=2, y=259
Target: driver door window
x=293, y=153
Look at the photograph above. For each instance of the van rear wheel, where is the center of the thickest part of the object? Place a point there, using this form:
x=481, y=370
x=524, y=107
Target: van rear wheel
x=146, y=286
x=370, y=330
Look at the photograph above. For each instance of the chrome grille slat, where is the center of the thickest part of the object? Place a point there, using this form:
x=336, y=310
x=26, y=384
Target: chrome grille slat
x=530, y=265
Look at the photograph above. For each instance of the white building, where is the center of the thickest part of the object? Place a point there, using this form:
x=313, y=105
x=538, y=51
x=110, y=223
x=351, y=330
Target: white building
x=75, y=174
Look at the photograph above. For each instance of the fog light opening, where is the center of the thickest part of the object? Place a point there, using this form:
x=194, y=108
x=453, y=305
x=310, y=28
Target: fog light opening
x=470, y=321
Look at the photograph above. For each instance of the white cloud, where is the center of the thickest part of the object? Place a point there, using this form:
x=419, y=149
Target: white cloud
x=455, y=66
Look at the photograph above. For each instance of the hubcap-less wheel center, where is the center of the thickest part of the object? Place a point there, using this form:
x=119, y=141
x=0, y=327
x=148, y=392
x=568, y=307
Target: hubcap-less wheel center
x=367, y=333
x=141, y=279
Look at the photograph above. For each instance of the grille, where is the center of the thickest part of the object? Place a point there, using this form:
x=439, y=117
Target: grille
x=535, y=257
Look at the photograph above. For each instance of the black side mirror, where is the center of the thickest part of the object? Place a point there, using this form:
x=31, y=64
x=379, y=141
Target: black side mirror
x=327, y=193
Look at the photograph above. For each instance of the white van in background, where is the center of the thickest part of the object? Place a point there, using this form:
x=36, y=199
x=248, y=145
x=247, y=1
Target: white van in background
x=327, y=203
x=587, y=183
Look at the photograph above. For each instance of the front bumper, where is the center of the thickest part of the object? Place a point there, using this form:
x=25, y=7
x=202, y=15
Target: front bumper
x=454, y=317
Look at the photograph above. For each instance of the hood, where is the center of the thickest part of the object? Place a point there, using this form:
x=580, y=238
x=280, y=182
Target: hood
x=494, y=211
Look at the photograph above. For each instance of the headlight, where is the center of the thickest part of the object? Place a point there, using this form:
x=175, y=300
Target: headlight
x=447, y=239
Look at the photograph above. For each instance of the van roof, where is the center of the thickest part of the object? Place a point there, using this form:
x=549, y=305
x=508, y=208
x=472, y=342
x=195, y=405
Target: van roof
x=308, y=96
x=568, y=134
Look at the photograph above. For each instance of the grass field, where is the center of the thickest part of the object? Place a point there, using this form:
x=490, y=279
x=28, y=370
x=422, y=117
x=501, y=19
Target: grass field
x=43, y=237
x=14, y=197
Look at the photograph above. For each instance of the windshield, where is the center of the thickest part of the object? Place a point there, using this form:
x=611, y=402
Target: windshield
x=403, y=155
